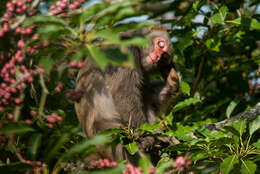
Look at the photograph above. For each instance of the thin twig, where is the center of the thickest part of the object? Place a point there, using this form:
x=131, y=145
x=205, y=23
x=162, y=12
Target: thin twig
x=197, y=80
x=45, y=92
x=17, y=110
x=16, y=151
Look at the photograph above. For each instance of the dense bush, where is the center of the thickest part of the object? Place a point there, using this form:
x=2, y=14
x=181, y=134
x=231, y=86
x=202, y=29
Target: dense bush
x=43, y=44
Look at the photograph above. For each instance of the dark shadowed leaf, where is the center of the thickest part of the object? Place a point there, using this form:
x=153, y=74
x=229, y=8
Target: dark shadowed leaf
x=16, y=128
x=14, y=168
x=34, y=144
x=78, y=148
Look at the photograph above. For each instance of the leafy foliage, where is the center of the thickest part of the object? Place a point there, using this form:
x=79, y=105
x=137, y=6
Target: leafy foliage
x=216, y=49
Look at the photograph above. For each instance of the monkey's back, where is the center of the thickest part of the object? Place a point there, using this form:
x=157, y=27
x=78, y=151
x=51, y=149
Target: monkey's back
x=110, y=97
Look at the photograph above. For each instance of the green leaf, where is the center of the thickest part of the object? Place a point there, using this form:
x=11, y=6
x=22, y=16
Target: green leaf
x=78, y=148
x=51, y=28
x=54, y=149
x=231, y=107
x=113, y=170
x=131, y=147
x=126, y=12
x=255, y=125
x=38, y=19
x=34, y=144
x=136, y=41
x=185, y=88
x=114, y=8
x=185, y=103
x=256, y=144
x=248, y=167
x=47, y=63
x=228, y=164
x=185, y=41
x=92, y=10
x=110, y=36
x=251, y=23
x=240, y=126
x=145, y=163
x=149, y=127
x=98, y=56
x=162, y=168
x=14, y=168
x=219, y=18
x=16, y=128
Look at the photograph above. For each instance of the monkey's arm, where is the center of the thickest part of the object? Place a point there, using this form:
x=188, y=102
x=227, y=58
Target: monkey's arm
x=165, y=91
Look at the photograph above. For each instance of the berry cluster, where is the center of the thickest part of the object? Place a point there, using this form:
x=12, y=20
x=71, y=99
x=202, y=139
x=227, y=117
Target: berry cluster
x=102, y=163
x=75, y=64
x=181, y=164
x=52, y=119
x=61, y=6
x=131, y=169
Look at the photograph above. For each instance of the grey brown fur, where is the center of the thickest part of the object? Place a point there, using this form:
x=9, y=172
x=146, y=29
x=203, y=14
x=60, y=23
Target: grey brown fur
x=111, y=97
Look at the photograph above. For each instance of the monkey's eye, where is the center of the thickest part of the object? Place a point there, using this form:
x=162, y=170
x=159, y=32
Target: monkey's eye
x=161, y=44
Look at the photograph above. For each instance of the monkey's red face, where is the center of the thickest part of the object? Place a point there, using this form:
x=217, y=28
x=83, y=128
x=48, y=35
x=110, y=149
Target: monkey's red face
x=160, y=51
x=160, y=46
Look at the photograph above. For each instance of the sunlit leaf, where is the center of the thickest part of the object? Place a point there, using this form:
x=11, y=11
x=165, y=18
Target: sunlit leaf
x=131, y=147
x=255, y=125
x=228, y=164
x=145, y=163
x=231, y=107
x=43, y=19
x=185, y=103
x=248, y=167
x=240, y=126
x=185, y=87
x=150, y=127
x=219, y=18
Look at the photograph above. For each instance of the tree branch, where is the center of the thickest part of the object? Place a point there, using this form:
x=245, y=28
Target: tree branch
x=196, y=81
x=250, y=115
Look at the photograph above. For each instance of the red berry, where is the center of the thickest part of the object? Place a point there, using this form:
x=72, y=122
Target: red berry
x=33, y=113
x=28, y=121
x=51, y=119
x=10, y=116
x=50, y=125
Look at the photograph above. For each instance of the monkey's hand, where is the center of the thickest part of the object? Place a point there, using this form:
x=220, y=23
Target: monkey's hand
x=173, y=80
x=146, y=143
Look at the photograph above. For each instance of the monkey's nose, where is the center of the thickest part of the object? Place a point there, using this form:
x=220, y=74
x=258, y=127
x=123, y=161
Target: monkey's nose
x=161, y=44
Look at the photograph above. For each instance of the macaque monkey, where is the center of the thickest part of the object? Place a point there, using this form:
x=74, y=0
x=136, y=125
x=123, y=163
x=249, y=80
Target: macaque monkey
x=123, y=97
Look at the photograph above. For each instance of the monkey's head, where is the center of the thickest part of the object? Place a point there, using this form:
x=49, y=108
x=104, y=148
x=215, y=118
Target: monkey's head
x=158, y=54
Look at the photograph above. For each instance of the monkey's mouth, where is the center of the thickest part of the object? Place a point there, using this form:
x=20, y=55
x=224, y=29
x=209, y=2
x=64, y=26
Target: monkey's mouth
x=153, y=58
